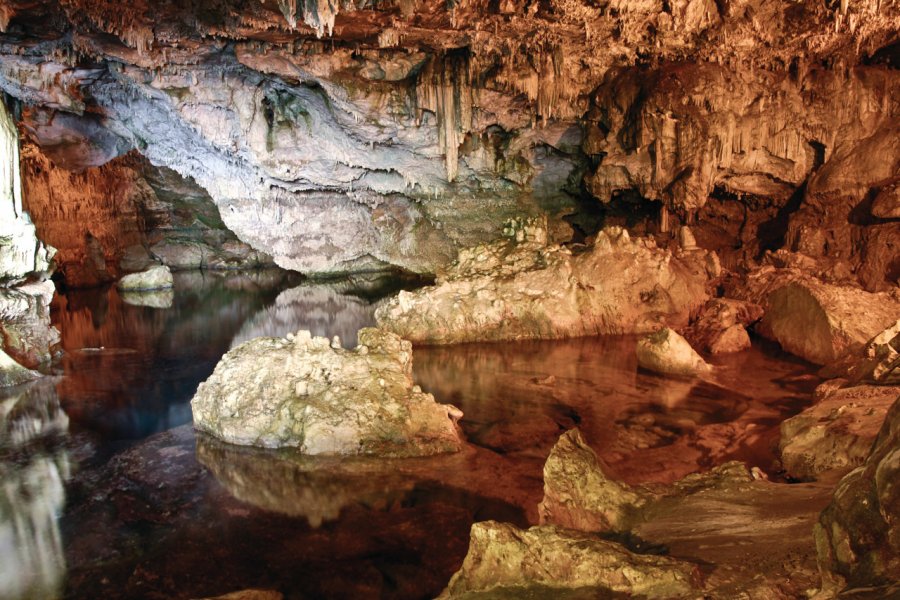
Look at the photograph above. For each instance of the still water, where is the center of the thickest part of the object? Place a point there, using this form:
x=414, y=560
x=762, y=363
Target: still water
x=107, y=492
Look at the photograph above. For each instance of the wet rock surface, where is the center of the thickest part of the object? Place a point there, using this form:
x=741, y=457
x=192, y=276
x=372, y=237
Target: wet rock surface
x=25, y=329
x=154, y=278
x=858, y=534
x=668, y=353
x=721, y=326
x=311, y=394
x=527, y=289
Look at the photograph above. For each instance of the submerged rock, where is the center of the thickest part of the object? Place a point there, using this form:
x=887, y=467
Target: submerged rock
x=837, y=432
x=154, y=278
x=667, y=352
x=526, y=289
x=504, y=558
x=858, y=534
x=309, y=393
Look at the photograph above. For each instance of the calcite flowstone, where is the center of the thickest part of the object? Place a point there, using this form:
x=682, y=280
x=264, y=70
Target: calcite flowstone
x=154, y=278
x=525, y=289
x=503, y=557
x=858, y=534
x=837, y=431
x=311, y=394
x=668, y=353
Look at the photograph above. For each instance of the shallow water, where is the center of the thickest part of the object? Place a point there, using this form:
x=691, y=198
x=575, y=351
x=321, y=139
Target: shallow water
x=107, y=492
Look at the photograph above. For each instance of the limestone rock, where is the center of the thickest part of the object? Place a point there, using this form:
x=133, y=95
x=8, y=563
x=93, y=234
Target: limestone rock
x=250, y=594
x=880, y=361
x=12, y=373
x=579, y=495
x=25, y=329
x=887, y=203
x=720, y=327
x=311, y=394
x=817, y=321
x=154, y=278
x=512, y=290
x=503, y=557
x=837, y=431
x=858, y=534
x=668, y=353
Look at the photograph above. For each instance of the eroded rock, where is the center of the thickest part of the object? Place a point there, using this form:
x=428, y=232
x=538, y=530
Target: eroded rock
x=311, y=394
x=25, y=329
x=512, y=290
x=153, y=279
x=720, y=328
x=837, y=431
x=12, y=373
x=503, y=557
x=668, y=353
x=858, y=534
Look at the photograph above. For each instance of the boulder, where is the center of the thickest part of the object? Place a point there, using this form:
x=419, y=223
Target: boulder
x=12, y=373
x=720, y=327
x=526, y=289
x=837, y=431
x=311, y=394
x=817, y=321
x=668, y=353
x=579, y=495
x=154, y=278
x=858, y=534
x=504, y=558
x=880, y=359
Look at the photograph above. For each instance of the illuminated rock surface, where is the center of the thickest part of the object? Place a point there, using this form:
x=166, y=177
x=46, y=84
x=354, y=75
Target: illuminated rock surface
x=668, y=353
x=513, y=290
x=154, y=278
x=311, y=394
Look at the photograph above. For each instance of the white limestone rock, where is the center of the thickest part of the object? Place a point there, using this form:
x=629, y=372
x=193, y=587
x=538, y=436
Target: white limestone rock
x=325, y=400
x=154, y=278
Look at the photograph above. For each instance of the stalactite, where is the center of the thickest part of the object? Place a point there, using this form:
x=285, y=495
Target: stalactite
x=445, y=89
x=318, y=14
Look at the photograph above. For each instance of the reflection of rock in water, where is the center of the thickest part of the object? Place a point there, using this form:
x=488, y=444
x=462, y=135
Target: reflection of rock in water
x=317, y=308
x=30, y=411
x=290, y=484
x=32, y=564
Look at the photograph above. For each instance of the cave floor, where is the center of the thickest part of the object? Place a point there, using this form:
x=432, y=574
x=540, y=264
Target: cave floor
x=152, y=510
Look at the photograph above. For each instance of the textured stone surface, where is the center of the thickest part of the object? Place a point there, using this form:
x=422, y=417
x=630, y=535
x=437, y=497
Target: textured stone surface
x=837, y=431
x=154, y=278
x=25, y=330
x=579, y=495
x=720, y=328
x=12, y=373
x=512, y=290
x=311, y=394
x=858, y=534
x=251, y=594
x=503, y=556
x=880, y=360
x=668, y=353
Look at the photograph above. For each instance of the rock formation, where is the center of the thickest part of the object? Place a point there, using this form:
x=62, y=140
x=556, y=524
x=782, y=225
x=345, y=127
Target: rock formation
x=505, y=559
x=311, y=394
x=858, y=534
x=152, y=279
x=668, y=353
x=528, y=289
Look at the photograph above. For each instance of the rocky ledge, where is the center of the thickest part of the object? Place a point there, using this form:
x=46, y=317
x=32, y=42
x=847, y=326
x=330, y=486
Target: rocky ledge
x=309, y=393
x=524, y=288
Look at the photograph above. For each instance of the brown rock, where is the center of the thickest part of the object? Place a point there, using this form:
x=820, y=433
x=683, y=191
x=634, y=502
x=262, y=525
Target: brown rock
x=720, y=327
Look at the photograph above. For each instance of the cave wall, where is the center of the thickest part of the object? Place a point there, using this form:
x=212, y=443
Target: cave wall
x=363, y=135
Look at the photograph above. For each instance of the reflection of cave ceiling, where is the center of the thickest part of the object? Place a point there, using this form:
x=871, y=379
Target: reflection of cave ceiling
x=347, y=135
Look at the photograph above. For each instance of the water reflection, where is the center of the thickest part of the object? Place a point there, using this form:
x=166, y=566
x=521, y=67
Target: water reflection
x=33, y=468
x=518, y=398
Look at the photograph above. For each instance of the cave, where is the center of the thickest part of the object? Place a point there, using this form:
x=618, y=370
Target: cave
x=408, y=299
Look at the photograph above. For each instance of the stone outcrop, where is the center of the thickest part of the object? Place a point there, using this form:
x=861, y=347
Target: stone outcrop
x=858, y=534
x=154, y=278
x=818, y=321
x=311, y=394
x=880, y=359
x=837, y=431
x=721, y=326
x=668, y=353
x=503, y=558
x=25, y=330
x=12, y=373
x=529, y=289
